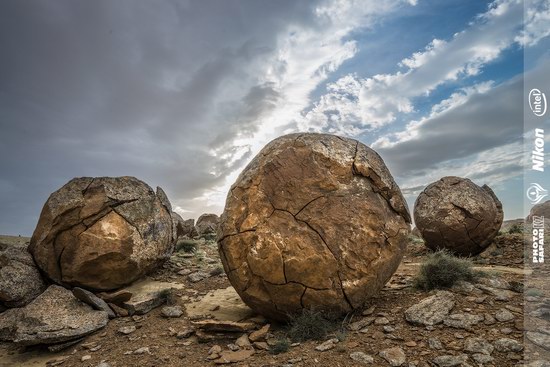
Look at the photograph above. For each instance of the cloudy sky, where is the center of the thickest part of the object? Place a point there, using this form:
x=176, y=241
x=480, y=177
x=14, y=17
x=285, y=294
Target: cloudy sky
x=182, y=94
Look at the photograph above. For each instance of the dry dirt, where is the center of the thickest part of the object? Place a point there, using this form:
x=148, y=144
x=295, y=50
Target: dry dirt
x=212, y=297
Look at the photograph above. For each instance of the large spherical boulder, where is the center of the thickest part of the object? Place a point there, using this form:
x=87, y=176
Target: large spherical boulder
x=456, y=214
x=207, y=223
x=314, y=221
x=102, y=233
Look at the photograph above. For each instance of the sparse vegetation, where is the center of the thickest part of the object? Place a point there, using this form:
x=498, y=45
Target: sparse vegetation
x=282, y=345
x=516, y=228
x=415, y=240
x=186, y=245
x=443, y=270
x=311, y=325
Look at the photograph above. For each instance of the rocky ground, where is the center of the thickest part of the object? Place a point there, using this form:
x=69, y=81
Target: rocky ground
x=468, y=325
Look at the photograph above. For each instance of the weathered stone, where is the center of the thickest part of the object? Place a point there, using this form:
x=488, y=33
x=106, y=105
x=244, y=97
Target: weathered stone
x=207, y=223
x=198, y=276
x=482, y=358
x=540, y=339
x=456, y=214
x=260, y=334
x=224, y=326
x=243, y=342
x=127, y=330
x=171, y=311
x=361, y=324
x=55, y=316
x=94, y=301
x=361, y=357
x=394, y=356
x=326, y=345
x=508, y=345
x=102, y=233
x=118, y=297
x=504, y=315
x=20, y=280
x=432, y=310
x=314, y=221
x=478, y=345
x=463, y=320
x=146, y=295
x=434, y=343
x=119, y=311
x=450, y=360
x=227, y=356
x=500, y=294
x=183, y=228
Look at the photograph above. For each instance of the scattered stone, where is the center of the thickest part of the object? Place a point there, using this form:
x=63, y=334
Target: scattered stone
x=171, y=311
x=450, y=360
x=411, y=343
x=369, y=311
x=55, y=316
x=540, y=339
x=478, y=345
x=261, y=345
x=197, y=276
x=54, y=348
x=260, y=334
x=105, y=224
x=224, y=326
x=127, y=330
x=86, y=357
x=118, y=297
x=504, y=315
x=381, y=321
x=361, y=357
x=185, y=333
x=489, y=319
x=432, y=310
x=469, y=217
x=434, y=343
x=394, y=356
x=93, y=300
x=20, y=279
x=361, y=324
x=243, y=342
x=482, y=358
x=327, y=345
x=119, y=311
x=142, y=350
x=463, y=320
x=508, y=345
x=233, y=357
x=300, y=175
x=500, y=294
x=233, y=347
x=103, y=364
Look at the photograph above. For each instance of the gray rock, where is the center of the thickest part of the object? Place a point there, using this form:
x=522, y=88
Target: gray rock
x=207, y=223
x=394, y=356
x=146, y=295
x=508, y=345
x=500, y=294
x=361, y=357
x=127, y=330
x=482, y=358
x=328, y=345
x=20, y=280
x=450, y=360
x=463, y=320
x=504, y=315
x=171, y=311
x=495, y=283
x=478, y=345
x=432, y=310
x=540, y=339
x=434, y=343
x=93, y=300
x=55, y=316
x=361, y=324
x=197, y=276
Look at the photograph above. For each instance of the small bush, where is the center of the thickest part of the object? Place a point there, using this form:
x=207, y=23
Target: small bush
x=516, y=228
x=310, y=325
x=282, y=345
x=186, y=245
x=443, y=270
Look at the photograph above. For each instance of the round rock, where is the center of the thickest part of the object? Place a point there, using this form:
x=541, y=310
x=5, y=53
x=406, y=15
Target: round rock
x=314, y=221
x=456, y=214
x=102, y=233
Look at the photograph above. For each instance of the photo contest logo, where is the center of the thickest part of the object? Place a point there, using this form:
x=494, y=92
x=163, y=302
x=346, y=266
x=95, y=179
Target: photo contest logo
x=537, y=102
x=535, y=193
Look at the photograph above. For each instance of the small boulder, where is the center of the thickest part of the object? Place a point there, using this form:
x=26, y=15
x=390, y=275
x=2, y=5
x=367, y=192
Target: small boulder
x=394, y=356
x=456, y=214
x=432, y=310
x=207, y=224
x=20, y=279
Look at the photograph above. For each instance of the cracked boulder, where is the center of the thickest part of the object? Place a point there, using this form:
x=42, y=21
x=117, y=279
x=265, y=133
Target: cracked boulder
x=102, y=233
x=457, y=215
x=313, y=222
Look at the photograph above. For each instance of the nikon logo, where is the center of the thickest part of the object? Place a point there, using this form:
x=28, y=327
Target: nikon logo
x=537, y=102
x=537, y=155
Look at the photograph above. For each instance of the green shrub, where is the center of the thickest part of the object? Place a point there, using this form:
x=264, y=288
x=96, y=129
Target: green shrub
x=442, y=270
x=311, y=325
x=282, y=345
x=516, y=228
x=186, y=245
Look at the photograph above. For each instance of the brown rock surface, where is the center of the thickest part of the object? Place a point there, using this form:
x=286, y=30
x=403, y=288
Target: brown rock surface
x=456, y=214
x=102, y=233
x=183, y=228
x=314, y=221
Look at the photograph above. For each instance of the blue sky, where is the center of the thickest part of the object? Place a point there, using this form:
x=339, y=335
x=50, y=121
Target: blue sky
x=182, y=94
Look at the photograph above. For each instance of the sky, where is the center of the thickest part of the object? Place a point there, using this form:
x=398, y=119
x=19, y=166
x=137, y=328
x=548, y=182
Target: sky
x=182, y=94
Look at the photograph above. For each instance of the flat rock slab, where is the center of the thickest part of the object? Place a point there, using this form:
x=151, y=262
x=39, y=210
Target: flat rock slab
x=223, y=326
x=93, y=300
x=233, y=357
x=222, y=304
x=432, y=310
x=147, y=294
x=55, y=316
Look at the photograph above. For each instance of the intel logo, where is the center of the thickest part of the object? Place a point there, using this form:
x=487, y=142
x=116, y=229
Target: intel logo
x=537, y=102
